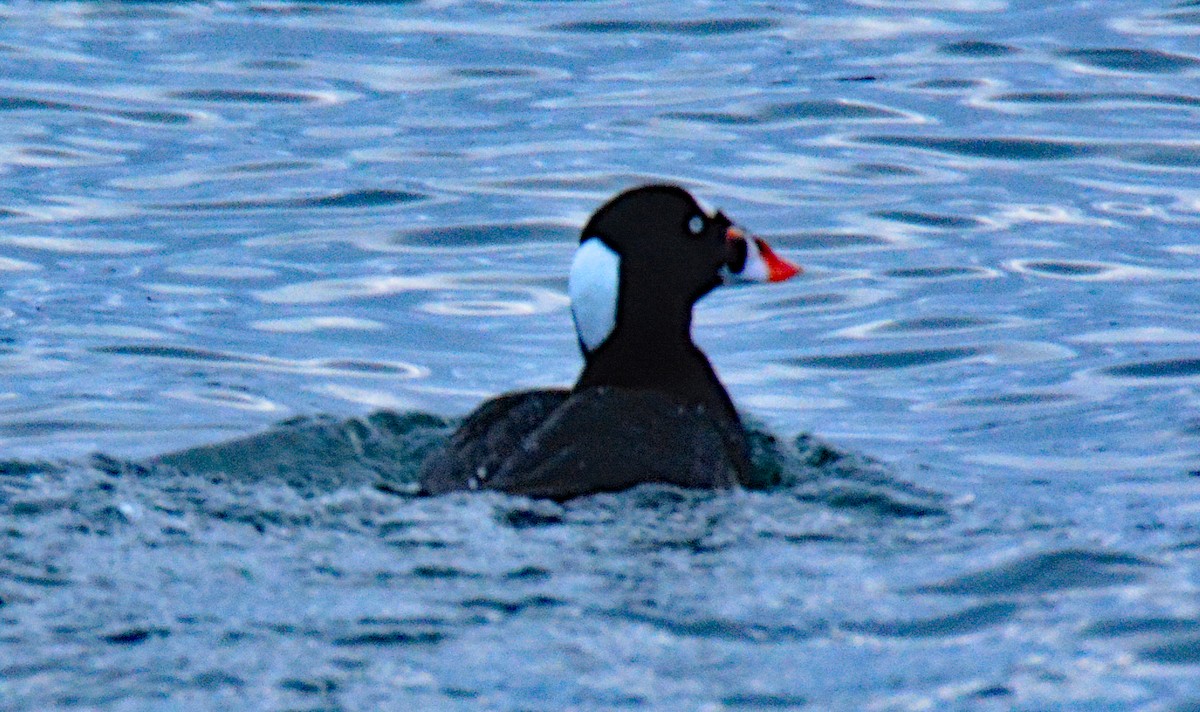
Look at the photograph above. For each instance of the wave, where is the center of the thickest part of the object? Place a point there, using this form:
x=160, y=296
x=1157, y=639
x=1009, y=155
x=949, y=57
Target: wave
x=315, y=456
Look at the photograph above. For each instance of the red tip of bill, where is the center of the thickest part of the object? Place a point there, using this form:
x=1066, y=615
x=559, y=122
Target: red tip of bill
x=778, y=269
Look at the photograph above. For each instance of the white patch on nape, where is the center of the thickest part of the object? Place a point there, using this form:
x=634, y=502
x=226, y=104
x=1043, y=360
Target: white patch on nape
x=593, y=283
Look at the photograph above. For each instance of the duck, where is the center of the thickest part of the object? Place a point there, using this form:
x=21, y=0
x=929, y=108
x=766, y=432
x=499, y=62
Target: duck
x=648, y=406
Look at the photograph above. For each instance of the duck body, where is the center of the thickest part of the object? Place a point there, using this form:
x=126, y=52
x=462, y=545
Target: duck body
x=648, y=406
x=558, y=444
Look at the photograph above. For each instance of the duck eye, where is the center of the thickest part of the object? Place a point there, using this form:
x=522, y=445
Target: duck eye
x=696, y=225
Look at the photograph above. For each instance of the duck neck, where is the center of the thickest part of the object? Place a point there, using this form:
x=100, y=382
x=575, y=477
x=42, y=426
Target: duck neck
x=651, y=349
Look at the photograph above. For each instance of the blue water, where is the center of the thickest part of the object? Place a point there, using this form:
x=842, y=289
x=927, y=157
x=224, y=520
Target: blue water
x=296, y=241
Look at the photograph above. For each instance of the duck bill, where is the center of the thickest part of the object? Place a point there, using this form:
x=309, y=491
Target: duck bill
x=751, y=259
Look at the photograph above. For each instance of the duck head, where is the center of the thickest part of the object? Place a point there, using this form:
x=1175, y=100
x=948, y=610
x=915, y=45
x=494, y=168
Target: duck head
x=648, y=254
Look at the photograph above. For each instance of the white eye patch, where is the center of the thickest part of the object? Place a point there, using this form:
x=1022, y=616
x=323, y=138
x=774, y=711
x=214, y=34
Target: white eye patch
x=593, y=286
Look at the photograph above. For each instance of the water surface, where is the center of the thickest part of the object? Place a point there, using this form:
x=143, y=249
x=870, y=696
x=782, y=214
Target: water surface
x=356, y=220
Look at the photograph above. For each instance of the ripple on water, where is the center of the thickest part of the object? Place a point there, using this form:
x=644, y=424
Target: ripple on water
x=590, y=186
x=225, y=398
x=222, y=272
x=311, y=324
x=828, y=241
x=807, y=302
x=41, y=156
x=1009, y=400
x=951, y=85
x=410, y=76
x=1004, y=149
x=488, y=234
x=135, y=635
x=1185, y=368
x=658, y=94
x=815, y=110
x=393, y=633
x=9, y=264
x=1134, y=60
x=881, y=170
x=1184, y=156
x=160, y=117
x=1120, y=627
x=1139, y=335
x=270, y=168
x=921, y=325
x=252, y=96
x=497, y=73
x=1084, y=271
x=172, y=352
x=774, y=166
x=884, y=360
x=727, y=26
x=147, y=116
x=1181, y=19
x=357, y=199
x=1048, y=571
x=78, y=246
x=976, y=49
x=931, y=220
x=713, y=628
x=503, y=299
x=1181, y=651
x=237, y=171
x=870, y=500
x=155, y=117
x=948, y=272
x=965, y=622
x=763, y=700
x=1098, y=100
x=1061, y=268
x=343, y=367
x=370, y=198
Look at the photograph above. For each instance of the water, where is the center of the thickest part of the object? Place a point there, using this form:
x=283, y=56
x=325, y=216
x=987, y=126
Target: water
x=218, y=217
